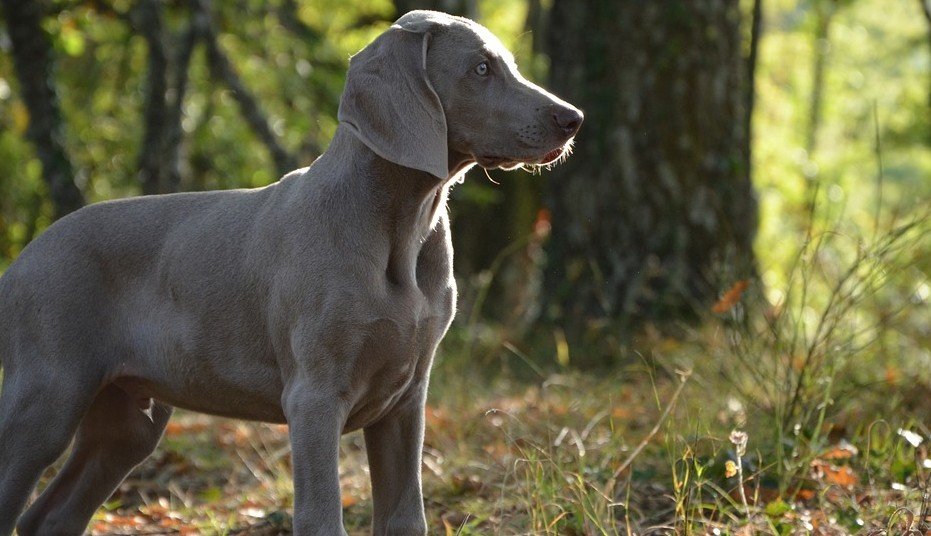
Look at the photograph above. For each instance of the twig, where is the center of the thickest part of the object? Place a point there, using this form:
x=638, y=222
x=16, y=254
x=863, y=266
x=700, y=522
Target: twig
x=880, y=169
x=649, y=436
x=222, y=68
x=174, y=133
x=34, y=64
x=146, y=19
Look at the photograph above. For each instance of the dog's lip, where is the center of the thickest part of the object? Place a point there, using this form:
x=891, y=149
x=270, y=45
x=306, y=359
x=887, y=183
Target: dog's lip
x=552, y=156
x=494, y=161
x=491, y=161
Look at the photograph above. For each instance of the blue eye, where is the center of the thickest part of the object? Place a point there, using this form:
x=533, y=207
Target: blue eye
x=482, y=69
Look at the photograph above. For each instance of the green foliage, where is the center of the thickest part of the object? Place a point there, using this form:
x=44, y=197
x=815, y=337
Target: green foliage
x=831, y=344
x=874, y=63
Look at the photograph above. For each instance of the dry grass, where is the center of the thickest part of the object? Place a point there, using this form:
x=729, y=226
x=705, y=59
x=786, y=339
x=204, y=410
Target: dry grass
x=826, y=386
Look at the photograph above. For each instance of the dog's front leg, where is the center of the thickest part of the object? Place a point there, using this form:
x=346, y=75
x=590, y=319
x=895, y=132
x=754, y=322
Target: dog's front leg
x=394, y=445
x=315, y=421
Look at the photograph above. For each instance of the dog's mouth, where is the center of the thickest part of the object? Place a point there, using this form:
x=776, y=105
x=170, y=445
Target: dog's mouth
x=551, y=156
x=547, y=159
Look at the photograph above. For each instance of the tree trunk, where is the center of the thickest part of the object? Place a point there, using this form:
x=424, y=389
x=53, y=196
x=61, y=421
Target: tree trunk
x=222, y=69
x=926, y=10
x=32, y=57
x=657, y=198
x=756, y=33
x=824, y=14
x=147, y=20
x=166, y=87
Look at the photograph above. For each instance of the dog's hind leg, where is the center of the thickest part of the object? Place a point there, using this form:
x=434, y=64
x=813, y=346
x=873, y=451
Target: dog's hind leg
x=38, y=417
x=114, y=436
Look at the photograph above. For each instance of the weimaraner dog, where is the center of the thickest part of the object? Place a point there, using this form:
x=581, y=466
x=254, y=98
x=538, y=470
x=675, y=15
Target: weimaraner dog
x=317, y=301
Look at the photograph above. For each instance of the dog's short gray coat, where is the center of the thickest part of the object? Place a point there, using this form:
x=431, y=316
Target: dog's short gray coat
x=318, y=301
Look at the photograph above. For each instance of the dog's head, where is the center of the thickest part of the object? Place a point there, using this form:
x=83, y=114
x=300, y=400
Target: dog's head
x=436, y=92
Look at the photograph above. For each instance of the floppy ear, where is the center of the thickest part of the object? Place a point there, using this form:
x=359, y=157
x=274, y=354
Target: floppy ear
x=389, y=104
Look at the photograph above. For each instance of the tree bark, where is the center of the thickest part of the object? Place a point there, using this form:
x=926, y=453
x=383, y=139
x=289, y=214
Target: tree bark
x=656, y=201
x=756, y=33
x=34, y=64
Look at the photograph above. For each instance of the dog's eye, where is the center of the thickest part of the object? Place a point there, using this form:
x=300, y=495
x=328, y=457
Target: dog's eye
x=482, y=69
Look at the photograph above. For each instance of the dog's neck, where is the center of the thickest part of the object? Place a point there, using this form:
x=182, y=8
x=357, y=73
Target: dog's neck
x=408, y=203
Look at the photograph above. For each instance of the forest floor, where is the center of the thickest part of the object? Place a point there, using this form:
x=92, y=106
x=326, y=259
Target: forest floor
x=630, y=452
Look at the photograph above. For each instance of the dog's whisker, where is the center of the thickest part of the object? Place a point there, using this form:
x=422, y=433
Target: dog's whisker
x=493, y=181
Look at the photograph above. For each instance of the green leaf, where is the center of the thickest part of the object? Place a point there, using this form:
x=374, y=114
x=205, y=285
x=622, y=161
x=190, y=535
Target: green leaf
x=777, y=508
x=72, y=41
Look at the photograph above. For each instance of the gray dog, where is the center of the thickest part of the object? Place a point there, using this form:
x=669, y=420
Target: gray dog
x=318, y=301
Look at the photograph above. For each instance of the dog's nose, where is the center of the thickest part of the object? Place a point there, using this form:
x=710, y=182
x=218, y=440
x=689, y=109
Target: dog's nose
x=568, y=119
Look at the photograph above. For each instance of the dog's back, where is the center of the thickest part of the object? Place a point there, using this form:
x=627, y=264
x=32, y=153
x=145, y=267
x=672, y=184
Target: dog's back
x=72, y=285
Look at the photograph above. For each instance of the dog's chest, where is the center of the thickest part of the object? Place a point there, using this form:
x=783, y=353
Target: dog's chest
x=395, y=353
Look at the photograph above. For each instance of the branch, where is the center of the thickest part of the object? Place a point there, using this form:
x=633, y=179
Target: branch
x=222, y=68
x=146, y=19
x=174, y=133
x=34, y=64
x=287, y=15
x=926, y=9
x=684, y=378
x=756, y=31
x=308, y=36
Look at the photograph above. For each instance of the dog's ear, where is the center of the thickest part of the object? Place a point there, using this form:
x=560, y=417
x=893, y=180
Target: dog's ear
x=389, y=102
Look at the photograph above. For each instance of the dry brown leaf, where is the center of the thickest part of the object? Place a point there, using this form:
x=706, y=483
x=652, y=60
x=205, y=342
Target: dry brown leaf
x=731, y=297
x=842, y=476
x=840, y=451
x=349, y=500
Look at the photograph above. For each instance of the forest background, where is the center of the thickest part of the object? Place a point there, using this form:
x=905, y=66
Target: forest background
x=713, y=317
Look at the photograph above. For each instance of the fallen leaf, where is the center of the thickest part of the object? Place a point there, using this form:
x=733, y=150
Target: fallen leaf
x=543, y=224
x=843, y=476
x=731, y=297
x=804, y=494
x=175, y=429
x=840, y=451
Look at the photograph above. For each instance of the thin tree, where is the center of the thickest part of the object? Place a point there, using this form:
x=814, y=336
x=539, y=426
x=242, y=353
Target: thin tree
x=223, y=70
x=33, y=59
x=756, y=34
x=166, y=86
x=926, y=10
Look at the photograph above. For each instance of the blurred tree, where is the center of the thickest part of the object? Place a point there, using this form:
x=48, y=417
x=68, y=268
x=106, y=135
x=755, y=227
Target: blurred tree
x=926, y=10
x=756, y=33
x=657, y=198
x=34, y=63
x=159, y=166
x=823, y=12
x=223, y=70
x=465, y=8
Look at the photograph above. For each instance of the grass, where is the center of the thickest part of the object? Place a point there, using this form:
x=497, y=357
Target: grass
x=536, y=460
x=794, y=408
x=800, y=411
